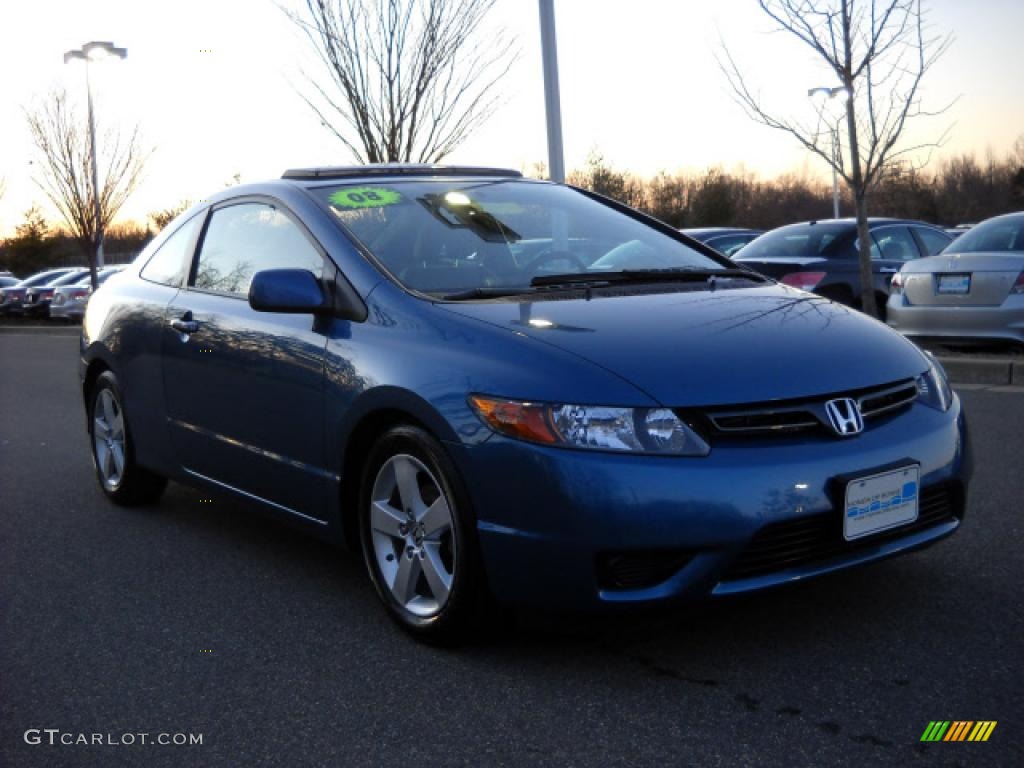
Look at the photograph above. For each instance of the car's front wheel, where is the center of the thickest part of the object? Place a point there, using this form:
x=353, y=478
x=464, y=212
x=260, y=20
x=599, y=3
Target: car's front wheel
x=121, y=479
x=417, y=537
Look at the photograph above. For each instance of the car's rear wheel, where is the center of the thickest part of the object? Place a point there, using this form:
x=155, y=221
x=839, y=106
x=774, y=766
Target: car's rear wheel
x=417, y=537
x=121, y=479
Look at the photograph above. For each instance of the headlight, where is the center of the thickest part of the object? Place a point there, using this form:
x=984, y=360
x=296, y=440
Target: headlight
x=933, y=387
x=601, y=428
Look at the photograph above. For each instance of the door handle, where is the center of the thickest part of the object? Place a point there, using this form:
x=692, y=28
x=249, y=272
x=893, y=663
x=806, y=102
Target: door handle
x=888, y=270
x=185, y=324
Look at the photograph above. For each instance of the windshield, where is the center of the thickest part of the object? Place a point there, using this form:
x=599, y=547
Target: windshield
x=444, y=237
x=1003, y=234
x=801, y=241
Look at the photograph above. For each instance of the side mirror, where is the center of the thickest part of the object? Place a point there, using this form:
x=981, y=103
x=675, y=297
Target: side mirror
x=294, y=291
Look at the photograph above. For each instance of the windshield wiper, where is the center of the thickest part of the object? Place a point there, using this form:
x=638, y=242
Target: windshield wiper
x=669, y=275
x=582, y=279
x=484, y=293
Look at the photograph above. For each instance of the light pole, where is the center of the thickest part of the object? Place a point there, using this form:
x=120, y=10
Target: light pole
x=95, y=51
x=552, y=100
x=820, y=96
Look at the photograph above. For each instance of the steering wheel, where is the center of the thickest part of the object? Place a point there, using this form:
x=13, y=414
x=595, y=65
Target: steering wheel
x=551, y=254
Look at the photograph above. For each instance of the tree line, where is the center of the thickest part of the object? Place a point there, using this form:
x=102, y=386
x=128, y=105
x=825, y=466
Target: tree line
x=958, y=190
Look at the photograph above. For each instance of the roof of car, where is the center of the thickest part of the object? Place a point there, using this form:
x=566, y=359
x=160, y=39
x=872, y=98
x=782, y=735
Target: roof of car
x=394, y=169
x=872, y=221
x=719, y=230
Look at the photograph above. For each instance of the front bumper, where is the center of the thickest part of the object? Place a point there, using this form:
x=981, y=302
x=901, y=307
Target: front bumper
x=1003, y=322
x=550, y=520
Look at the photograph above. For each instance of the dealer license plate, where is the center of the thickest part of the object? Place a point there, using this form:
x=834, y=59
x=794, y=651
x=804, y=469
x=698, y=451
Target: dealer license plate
x=879, y=502
x=957, y=285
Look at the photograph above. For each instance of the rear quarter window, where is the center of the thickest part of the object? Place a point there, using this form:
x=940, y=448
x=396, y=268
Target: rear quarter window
x=168, y=264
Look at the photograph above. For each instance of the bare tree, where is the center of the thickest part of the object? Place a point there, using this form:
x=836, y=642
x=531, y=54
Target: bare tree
x=165, y=216
x=62, y=139
x=880, y=51
x=409, y=80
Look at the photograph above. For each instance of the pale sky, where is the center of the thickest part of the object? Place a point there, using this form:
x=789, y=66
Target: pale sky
x=212, y=84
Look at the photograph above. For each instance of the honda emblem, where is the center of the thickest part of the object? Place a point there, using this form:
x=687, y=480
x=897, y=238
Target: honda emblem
x=844, y=416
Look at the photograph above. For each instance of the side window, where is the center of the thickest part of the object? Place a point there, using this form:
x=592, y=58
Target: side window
x=893, y=244
x=728, y=244
x=247, y=238
x=932, y=241
x=171, y=259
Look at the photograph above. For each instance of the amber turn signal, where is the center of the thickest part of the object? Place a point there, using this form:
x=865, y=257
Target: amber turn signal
x=526, y=421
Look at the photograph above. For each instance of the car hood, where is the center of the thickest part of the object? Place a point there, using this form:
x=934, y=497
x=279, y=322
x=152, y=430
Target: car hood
x=728, y=346
x=982, y=261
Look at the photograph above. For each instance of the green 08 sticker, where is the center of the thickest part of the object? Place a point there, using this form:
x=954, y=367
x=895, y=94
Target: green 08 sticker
x=364, y=197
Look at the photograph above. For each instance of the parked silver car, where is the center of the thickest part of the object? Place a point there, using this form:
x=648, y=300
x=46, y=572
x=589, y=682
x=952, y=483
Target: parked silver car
x=68, y=302
x=973, y=290
x=12, y=299
x=38, y=297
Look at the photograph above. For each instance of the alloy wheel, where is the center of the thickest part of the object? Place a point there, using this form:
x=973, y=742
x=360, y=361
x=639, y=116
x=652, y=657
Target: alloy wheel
x=411, y=529
x=108, y=438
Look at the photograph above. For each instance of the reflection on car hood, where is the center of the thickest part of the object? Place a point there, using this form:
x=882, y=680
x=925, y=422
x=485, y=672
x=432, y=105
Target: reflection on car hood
x=716, y=347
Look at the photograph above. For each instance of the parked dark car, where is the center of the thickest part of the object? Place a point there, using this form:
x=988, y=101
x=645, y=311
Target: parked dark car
x=725, y=240
x=821, y=256
x=508, y=391
x=12, y=299
x=37, y=298
x=6, y=281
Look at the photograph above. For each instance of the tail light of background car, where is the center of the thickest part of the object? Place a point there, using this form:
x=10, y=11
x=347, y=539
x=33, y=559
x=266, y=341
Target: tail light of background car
x=805, y=281
x=896, y=286
x=79, y=293
x=1018, y=286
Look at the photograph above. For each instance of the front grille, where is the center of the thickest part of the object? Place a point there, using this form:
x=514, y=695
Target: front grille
x=805, y=415
x=879, y=402
x=806, y=540
x=638, y=569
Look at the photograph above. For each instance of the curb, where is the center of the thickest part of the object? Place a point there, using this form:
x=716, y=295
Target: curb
x=995, y=372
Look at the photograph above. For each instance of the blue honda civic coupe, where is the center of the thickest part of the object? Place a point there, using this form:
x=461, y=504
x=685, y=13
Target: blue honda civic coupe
x=505, y=391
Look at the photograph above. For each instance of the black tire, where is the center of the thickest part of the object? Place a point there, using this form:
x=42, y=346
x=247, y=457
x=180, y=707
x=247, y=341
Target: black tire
x=467, y=605
x=840, y=295
x=133, y=485
x=882, y=303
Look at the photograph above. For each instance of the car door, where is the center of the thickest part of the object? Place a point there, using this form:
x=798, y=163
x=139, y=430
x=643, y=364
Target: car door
x=165, y=262
x=245, y=389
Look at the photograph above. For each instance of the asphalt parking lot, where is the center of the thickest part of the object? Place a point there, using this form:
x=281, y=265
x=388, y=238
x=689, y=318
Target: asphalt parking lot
x=198, y=616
